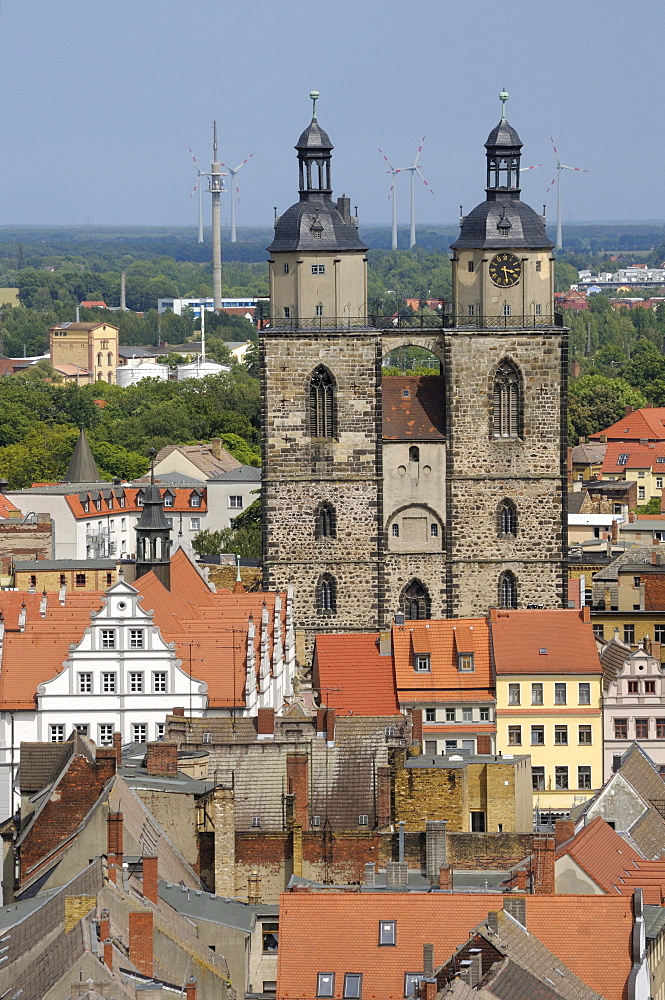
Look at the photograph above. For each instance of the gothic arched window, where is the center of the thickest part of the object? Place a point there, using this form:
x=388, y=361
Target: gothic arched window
x=415, y=601
x=326, y=594
x=507, y=518
x=321, y=404
x=326, y=521
x=506, y=401
x=507, y=590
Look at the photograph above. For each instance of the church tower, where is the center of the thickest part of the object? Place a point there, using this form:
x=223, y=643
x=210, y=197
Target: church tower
x=320, y=377
x=153, y=535
x=506, y=368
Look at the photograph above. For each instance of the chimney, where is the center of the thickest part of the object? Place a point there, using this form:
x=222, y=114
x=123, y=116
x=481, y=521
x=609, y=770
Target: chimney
x=564, y=830
x=370, y=873
x=543, y=865
x=417, y=727
x=428, y=960
x=108, y=953
x=385, y=643
x=483, y=743
x=616, y=762
x=104, y=925
x=435, y=848
x=627, y=411
x=178, y=711
x=117, y=743
x=123, y=304
x=254, y=888
x=265, y=722
x=614, y=532
x=297, y=781
x=216, y=448
x=631, y=516
x=190, y=991
x=382, y=796
x=330, y=726
x=428, y=989
x=140, y=942
x=296, y=842
x=603, y=440
x=162, y=759
x=114, y=848
x=445, y=878
x=320, y=723
x=4, y=483
x=150, y=878
x=397, y=874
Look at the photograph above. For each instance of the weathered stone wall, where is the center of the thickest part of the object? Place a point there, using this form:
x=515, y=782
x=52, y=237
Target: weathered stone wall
x=401, y=568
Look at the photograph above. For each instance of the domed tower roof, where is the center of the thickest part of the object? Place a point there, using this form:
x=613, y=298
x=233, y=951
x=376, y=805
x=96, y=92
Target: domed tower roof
x=503, y=218
x=315, y=222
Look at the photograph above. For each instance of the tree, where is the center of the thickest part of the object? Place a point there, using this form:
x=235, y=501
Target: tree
x=596, y=402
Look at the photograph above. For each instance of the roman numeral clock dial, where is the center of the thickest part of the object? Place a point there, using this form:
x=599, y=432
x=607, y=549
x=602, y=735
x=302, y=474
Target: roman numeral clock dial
x=505, y=269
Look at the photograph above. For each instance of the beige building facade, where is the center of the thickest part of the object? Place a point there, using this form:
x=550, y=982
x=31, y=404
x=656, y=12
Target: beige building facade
x=91, y=346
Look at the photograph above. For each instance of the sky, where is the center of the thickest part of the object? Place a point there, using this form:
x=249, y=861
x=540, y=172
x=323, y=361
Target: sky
x=100, y=100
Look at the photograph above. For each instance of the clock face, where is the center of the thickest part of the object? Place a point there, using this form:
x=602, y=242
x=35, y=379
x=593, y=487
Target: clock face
x=505, y=269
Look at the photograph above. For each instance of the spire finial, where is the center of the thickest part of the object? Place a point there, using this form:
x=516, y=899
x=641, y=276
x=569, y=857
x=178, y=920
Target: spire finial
x=503, y=97
x=314, y=95
x=152, y=454
x=238, y=576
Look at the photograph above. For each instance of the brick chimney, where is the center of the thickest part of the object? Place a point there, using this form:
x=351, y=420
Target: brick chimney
x=445, y=878
x=265, y=722
x=383, y=795
x=417, y=727
x=628, y=410
x=162, y=759
x=140, y=942
x=330, y=726
x=190, y=990
x=297, y=780
x=179, y=711
x=483, y=743
x=108, y=953
x=114, y=845
x=564, y=830
x=216, y=448
x=117, y=743
x=150, y=878
x=320, y=722
x=543, y=865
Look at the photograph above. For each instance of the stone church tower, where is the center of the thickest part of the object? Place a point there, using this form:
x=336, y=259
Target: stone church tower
x=430, y=496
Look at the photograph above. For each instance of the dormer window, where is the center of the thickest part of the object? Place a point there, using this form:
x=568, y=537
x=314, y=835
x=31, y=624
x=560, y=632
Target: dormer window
x=86, y=506
x=465, y=662
x=109, y=503
x=168, y=499
x=98, y=504
x=421, y=663
x=122, y=501
x=139, y=498
x=195, y=500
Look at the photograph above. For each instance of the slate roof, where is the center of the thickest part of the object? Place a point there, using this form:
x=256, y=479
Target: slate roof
x=413, y=408
x=503, y=134
x=41, y=763
x=589, y=453
x=352, y=676
x=519, y=636
x=293, y=230
x=82, y=467
x=575, y=501
x=480, y=229
x=243, y=474
x=635, y=554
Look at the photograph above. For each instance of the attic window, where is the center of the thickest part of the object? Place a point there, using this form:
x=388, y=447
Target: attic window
x=660, y=460
x=465, y=661
x=421, y=663
x=387, y=932
x=363, y=819
x=86, y=506
x=325, y=984
x=139, y=499
x=406, y=394
x=195, y=500
x=622, y=459
x=256, y=822
x=168, y=499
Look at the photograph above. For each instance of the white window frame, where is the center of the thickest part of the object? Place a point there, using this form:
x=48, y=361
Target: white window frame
x=56, y=732
x=135, y=682
x=136, y=638
x=195, y=524
x=107, y=638
x=109, y=682
x=318, y=268
x=137, y=726
x=85, y=682
x=233, y=501
x=104, y=741
x=159, y=682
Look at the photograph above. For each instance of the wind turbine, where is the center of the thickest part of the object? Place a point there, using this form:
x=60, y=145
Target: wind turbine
x=201, y=173
x=235, y=192
x=557, y=180
x=392, y=194
x=415, y=169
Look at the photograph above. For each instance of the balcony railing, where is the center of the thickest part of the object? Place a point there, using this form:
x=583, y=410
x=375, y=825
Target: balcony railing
x=414, y=322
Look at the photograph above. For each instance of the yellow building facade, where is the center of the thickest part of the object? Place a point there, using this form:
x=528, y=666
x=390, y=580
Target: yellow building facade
x=557, y=719
x=92, y=347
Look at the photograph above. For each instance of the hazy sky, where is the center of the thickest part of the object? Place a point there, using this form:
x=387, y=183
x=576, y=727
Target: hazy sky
x=100, y=100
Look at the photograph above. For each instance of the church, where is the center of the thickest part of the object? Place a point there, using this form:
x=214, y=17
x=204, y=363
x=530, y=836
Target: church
x=430, y=496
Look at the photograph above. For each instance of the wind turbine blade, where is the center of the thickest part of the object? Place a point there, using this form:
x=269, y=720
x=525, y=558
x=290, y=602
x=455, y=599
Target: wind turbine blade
x=553, y=181
x=523, y=169
x=424, y=181
x=556, y=153
x=194, y=188
x=581, y=170
x=418, y=152
x=386, y=159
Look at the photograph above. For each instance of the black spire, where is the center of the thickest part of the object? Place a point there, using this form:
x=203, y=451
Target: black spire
x=82, y=467
x=153, y=534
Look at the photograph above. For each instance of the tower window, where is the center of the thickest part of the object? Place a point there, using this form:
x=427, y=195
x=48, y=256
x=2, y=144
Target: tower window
x=321, y=404
x=538, y=265
x=287, y=312
x=506, y=401
x=471, y=310
x=326, y=595
x=415, y=601
x=318, y=268
x=508, y=518
x=326, y=521
x=470, y=265
x=506, y=309
x=286, y=269
x=319, y=310
x=395, y=530
x=507, y=591
x=434, y=530
x=414, y=454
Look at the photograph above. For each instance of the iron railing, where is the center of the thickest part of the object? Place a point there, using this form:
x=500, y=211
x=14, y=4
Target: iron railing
x=445, y=321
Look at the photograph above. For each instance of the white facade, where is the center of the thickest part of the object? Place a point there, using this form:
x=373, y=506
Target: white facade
x=634, y=705
x=208, y=304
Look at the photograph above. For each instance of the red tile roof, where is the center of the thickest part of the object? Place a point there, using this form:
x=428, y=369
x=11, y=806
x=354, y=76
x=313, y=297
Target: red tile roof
x=353, y=677
x=519, y=636
x=649, y=423
x=443, y=681
x=181, y=501
x=639, y=456
x=412, y=408
x=210, y=628
x=613, y=864
x=7, y=508
x=339, y=933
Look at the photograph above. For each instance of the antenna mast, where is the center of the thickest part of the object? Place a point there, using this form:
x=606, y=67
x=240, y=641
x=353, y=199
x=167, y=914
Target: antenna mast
x=216, y=191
